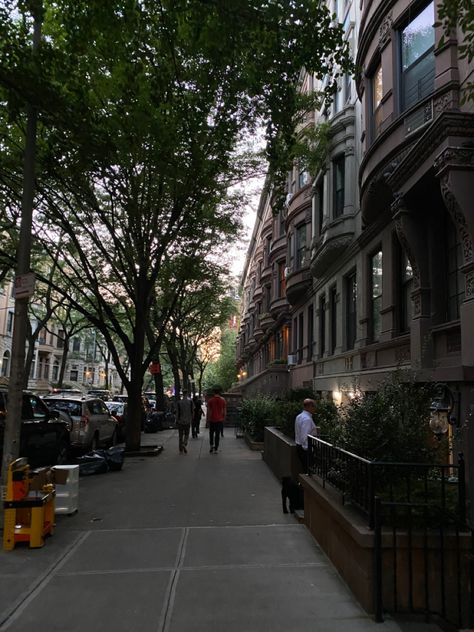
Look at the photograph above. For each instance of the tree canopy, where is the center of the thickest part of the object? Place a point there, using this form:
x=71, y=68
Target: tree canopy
x=141, y=106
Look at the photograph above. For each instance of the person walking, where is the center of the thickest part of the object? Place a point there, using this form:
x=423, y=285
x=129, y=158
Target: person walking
x=304, y=426
x=184, y=417
x=216, y=414
x=196, y=416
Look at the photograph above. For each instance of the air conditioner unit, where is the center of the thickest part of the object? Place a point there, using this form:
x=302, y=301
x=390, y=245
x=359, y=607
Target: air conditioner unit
x=292, y=359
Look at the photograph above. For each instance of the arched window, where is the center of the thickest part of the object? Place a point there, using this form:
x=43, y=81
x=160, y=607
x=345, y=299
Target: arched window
x=6, y=364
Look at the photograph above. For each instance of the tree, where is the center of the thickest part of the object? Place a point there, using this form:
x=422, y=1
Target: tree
x=223, y=372
x=141, y=106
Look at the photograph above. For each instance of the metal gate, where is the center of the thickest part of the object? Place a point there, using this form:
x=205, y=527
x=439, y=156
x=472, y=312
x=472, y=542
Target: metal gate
x=423, y=549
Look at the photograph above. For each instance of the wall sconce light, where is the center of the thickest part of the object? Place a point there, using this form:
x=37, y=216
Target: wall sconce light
x=442, y=410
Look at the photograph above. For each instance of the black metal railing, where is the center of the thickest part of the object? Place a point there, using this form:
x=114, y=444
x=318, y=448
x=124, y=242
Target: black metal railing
x=423, y=553
x=360, y=480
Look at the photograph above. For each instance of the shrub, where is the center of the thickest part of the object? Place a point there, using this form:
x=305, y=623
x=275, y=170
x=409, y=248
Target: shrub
x=286, y=413
x=256, y=413
x=390, y=424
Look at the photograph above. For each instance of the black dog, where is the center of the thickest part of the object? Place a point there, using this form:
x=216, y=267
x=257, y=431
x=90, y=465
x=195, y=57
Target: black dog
x=294, y=492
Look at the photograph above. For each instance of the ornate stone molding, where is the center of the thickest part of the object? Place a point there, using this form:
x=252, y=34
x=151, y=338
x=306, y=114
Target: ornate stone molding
x=447, y=101
x=401, y=216
x=385, y=31
x=460, y=124
x=457, y=216
x=454, y=158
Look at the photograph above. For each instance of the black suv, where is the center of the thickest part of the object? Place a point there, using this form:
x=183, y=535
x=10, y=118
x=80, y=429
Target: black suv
x=44, y=439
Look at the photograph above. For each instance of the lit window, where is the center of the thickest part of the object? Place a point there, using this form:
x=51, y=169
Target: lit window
x=376, y=289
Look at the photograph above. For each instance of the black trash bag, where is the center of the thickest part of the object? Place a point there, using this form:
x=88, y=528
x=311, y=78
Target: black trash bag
x=92, y=463
x=115, y=457
x=154, y=422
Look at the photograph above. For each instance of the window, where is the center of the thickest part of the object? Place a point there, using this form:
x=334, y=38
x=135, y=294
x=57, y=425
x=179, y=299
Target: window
x=351, y=310
x=73, y=374
x=300, y=337
x=46, y=368
x=282, y=221
x=300, y=246
x=60, y=344
x=377, y=94
x=455, y=282
x=42, y=336
x=268, y=242
x=10, y=322
x=417, y=58
x=291, y=251
x=322, y=325
x=406, y=283
x=55, y=373
x=281, y=279
x=338, y=185
x=76, y=344
x=320, y=205
x=303, y=178
x=6, y=364
x=295, y=335
x=376, y=294
x=310, y=332
x=333, y=316
x=347, y=87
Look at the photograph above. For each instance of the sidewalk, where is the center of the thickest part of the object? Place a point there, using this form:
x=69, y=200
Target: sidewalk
x=180, y=543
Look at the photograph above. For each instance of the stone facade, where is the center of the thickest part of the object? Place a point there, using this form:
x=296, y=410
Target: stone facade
x=371, y=269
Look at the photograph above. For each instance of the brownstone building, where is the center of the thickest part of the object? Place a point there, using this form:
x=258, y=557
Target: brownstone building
x=370, y=268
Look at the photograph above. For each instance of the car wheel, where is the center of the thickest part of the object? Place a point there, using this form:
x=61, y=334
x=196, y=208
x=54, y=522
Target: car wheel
x=62, y=457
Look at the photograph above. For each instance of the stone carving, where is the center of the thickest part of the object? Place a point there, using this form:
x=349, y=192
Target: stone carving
x=399, y=210
x=447, y=101
x=469, y=290
x=385, y=31
x=417, y=305
x=458, y=217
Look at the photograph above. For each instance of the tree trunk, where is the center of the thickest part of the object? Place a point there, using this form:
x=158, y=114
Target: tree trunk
x=159, y=390
x=62, y=369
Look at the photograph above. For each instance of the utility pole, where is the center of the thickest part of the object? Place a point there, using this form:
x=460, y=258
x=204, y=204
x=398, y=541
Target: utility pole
x=11, y=442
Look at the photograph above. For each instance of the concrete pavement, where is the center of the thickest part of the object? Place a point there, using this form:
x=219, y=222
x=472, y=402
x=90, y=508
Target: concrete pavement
x=179, y=543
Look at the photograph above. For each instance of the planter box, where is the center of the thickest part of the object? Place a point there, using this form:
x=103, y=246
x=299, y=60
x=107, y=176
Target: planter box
x=279, y=453
x=253, y=445
x=349, y=544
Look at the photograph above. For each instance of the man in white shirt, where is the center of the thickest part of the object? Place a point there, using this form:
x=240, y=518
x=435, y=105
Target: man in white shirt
x=304, y=426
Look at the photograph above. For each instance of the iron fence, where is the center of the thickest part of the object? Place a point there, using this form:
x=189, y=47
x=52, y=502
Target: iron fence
x=423, y=548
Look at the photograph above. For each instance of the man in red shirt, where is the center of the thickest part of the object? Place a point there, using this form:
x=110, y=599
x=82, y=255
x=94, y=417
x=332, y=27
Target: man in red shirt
x=216, y=413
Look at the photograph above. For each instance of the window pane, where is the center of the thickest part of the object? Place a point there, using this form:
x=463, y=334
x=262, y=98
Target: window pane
x=377, y=87
x=376, y=279
x=418, y=37
x=377, y=275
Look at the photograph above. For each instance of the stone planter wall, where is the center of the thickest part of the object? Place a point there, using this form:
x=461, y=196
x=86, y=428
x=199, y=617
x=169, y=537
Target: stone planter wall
x=253, y=445
x=349, y=544
x=279, y=453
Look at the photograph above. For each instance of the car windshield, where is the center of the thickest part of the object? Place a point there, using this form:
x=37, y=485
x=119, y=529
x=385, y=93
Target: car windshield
x=115, y=409
x=73, y=408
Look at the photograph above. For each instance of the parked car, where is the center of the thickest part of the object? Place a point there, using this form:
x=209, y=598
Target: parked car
x=104, y=394
x=118, y=410
x=92, y=424
x=121, y=398
x=44, y=437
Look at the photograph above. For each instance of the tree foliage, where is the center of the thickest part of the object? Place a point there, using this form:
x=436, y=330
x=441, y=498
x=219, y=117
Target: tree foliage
x=141, y=106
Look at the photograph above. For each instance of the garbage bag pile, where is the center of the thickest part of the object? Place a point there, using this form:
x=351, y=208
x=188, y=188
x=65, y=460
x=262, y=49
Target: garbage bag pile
x=101, y=461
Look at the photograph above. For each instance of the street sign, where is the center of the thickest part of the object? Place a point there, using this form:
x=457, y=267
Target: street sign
x=24, y=285
x=154, y=368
